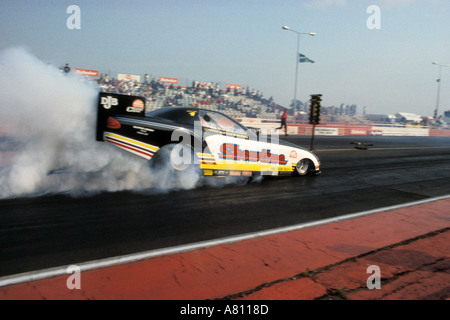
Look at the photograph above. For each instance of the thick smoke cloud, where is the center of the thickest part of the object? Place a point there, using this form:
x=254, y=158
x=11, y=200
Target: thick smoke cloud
x=52, y=118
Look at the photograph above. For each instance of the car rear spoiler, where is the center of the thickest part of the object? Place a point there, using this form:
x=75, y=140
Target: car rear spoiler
x=113, y=104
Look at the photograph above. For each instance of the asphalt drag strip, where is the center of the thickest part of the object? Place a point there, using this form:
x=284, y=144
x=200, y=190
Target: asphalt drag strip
x=408, y=245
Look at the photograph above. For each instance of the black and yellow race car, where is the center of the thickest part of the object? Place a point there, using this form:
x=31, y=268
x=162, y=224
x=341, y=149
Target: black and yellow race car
x=203, y=140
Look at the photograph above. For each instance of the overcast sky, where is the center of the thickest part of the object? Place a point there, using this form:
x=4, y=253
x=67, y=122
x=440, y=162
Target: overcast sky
x=387, y=69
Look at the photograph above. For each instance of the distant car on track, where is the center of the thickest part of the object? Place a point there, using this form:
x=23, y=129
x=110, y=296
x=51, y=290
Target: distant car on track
x=202, y=140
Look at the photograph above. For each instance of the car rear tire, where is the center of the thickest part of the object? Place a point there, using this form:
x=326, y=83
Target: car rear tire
x=179, y=157
x=179, y=162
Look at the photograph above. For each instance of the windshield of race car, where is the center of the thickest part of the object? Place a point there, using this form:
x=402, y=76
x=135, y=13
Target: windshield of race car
x=208, y=119
x=219, y=121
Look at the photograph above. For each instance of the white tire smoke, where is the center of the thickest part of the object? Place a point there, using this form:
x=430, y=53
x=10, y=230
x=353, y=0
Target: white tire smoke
x=52, y=116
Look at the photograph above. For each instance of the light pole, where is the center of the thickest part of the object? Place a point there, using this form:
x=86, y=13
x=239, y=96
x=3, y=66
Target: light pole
x=439, y=87
x=297, y=56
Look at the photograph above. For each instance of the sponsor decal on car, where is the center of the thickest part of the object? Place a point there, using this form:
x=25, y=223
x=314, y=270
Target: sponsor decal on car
x=208, y=172
x=231, y=151
x=143, y=130
x=137, y=106
x=108, y=102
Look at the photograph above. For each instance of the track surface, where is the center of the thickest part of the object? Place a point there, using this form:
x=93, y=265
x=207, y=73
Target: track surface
x=56, y=230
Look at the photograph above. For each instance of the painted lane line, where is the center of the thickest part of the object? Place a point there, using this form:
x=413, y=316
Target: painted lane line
x=382, y=149
x=108, y=262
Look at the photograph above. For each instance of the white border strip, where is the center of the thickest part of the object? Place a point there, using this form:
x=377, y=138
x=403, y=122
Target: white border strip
x=108, y=262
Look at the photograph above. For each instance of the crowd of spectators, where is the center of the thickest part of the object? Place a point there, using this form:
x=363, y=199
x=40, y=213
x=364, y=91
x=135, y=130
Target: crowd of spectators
x=241, y=102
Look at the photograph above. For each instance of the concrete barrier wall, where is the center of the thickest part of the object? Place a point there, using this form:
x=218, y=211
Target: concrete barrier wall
x=439, y=133
x=346, y=129
x=399, y=131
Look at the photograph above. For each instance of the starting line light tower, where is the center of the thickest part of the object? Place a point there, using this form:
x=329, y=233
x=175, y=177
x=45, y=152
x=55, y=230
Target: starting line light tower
x=314, y=114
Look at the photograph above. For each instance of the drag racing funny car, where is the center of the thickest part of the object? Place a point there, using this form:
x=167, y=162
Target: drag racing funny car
x=201, y=140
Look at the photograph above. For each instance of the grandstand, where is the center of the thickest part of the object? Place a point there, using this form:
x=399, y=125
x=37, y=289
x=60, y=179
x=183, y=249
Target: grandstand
x=234, y=103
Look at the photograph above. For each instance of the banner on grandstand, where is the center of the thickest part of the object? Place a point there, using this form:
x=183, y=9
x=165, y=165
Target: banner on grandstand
x=128, y=77
x=168, y=80
x=233, y=86
x=86, y=72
